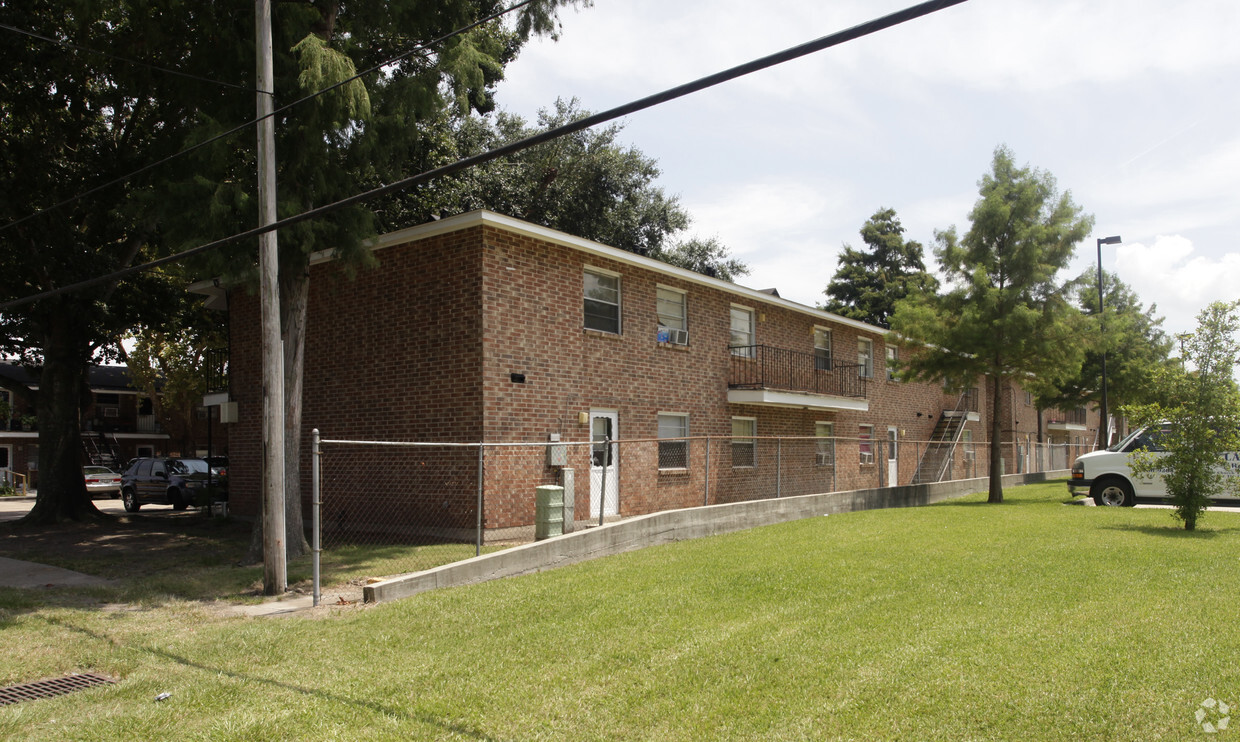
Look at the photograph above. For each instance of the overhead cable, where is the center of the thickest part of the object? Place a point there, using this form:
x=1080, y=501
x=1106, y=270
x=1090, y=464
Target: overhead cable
x=825, y=42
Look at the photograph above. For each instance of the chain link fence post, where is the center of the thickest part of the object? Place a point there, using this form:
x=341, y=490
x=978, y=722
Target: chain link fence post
x=316, y=502
x=481, y=480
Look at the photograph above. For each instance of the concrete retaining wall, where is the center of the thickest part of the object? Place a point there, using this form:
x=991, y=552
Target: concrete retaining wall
x=675, y=525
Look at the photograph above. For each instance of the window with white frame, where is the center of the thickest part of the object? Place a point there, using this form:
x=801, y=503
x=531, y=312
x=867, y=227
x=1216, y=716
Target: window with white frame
x=822, y=349
x=602, y=301
x=892, y=359
x=865, y=434
x=824, y=452
x=865, y=357
x=673, y=454
x=741, y=338
x=671, y=308
x=966, y=440
x=1028, y=397
x=744, y=445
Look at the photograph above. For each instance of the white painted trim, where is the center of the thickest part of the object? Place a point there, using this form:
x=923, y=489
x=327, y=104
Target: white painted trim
x=768, y=398
x=481, y=218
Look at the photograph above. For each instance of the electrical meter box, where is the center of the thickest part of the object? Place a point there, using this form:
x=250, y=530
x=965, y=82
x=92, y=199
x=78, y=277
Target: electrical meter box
x=556, y=455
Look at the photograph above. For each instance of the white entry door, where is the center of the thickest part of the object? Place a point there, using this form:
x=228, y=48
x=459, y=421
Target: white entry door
x=893, y=457
x=604, y=463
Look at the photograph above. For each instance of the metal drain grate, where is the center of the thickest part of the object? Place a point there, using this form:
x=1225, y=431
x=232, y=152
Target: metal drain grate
x=50, y=688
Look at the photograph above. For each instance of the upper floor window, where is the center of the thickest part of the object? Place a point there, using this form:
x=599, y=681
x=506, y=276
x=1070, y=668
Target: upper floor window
x=892, y=359
x=865, y=357
x=602, y=302
x=671, y=309
x=673, y=441
x=741, y=338
x=822, y=349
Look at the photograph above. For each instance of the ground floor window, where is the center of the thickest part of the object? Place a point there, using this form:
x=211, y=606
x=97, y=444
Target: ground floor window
x=865, y=435
x=744, y=445
x=673, y=454
x=824, y=454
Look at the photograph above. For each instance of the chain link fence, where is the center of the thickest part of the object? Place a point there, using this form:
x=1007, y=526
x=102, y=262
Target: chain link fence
x=462, y=497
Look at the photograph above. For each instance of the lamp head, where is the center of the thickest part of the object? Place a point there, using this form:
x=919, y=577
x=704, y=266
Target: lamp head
x=1115, y=240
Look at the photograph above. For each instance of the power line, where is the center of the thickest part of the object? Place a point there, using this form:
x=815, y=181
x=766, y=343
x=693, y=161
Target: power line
x=136, y=63
x=825, y=42
x=276, y=112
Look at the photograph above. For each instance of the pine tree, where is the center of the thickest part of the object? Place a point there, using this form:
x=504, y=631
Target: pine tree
x=1006, y=314
x=868, y=283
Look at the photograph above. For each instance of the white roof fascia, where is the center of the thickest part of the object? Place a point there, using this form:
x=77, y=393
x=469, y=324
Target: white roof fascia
x=482, y=217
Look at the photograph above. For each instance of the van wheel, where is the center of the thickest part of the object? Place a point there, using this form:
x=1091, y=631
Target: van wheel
x=1112, y=492
x=178, y=502
x=130, y=500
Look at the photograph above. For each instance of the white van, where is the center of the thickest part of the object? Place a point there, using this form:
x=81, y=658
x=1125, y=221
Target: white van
x=1106, y=477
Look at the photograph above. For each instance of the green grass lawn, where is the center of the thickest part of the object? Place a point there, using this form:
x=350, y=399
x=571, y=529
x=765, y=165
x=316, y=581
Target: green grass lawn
x=1030, y=620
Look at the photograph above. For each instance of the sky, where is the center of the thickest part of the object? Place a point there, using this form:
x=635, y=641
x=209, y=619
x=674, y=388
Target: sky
x=1132, y=105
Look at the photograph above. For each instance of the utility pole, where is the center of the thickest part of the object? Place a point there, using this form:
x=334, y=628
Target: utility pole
x=275, y=559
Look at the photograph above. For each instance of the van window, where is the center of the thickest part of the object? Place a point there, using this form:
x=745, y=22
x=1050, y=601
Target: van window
x=1149, y=439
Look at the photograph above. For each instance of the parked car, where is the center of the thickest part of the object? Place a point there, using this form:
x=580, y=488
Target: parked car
x=1106, y=476
x=100, y=480
x=164, y=481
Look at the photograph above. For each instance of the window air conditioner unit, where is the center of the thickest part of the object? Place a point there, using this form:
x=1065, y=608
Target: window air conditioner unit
x=673, y=336
x=867, y=458
x=111, y=412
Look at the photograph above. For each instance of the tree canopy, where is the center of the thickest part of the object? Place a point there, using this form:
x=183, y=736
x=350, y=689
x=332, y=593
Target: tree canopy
x=1132, y=338
x=1005, y=314
x=589, y=184
x=868, y=283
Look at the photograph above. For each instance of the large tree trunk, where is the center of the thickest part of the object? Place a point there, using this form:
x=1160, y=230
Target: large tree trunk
x=294, y=296
x=62, y=492
x=996, y=453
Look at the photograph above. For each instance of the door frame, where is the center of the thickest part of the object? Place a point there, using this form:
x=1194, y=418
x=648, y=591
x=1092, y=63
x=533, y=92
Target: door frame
x=893, y=456
x=611, y=505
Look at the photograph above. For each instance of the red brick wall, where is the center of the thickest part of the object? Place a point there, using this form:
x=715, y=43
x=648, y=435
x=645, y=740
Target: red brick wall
x=424, y=346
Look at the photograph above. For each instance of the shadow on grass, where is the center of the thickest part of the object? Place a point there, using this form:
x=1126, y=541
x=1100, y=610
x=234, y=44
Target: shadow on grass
x=373, y=706
x=1171, y=530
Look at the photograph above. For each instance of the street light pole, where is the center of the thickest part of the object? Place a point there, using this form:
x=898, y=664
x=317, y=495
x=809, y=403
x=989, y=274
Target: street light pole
x=1105, y=426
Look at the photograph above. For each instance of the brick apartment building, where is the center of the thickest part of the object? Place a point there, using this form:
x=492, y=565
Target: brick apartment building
x=481, y=327
x=118, y=424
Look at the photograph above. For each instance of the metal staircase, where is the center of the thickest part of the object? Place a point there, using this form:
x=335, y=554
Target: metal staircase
x=937, y=458
x=101, y=450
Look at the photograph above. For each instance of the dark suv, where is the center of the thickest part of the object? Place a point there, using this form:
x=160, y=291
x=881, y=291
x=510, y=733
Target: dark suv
x=175, y=482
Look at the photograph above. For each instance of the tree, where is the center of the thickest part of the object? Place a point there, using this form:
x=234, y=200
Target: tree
x=1005, y=315
x=1131, y=336
x=587, y=183
x=168, y=364
x=707, y=256
x=1200, y=420
x=74, y=120
x=868, y=283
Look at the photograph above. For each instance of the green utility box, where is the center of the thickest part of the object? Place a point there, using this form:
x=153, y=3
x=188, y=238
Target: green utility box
x=548, y=512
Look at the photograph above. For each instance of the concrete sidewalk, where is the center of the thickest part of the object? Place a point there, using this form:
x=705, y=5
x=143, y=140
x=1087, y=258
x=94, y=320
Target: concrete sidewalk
x=16, y=573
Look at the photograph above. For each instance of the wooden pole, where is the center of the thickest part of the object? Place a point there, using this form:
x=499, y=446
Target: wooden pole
x=275, y=559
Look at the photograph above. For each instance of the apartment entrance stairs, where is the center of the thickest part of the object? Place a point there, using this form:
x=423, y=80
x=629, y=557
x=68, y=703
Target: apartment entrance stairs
x=101, y=449
x=937, y=458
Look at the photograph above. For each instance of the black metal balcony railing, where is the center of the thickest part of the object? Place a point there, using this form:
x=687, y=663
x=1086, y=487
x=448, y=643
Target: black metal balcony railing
x=1069, y=417
x=216, y=368
x=764, y=367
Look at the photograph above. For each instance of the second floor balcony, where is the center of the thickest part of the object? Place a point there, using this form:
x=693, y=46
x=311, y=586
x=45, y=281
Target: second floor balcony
x=778, y=377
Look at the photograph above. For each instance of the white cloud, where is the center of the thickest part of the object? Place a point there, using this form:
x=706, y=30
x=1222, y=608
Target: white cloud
x=1184, y=280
